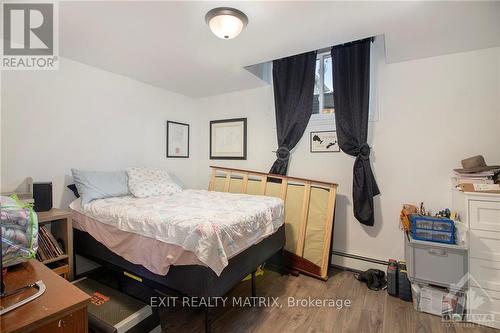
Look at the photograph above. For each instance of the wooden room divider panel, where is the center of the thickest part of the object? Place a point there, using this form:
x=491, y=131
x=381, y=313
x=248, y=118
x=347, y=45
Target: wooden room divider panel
x=309, y=212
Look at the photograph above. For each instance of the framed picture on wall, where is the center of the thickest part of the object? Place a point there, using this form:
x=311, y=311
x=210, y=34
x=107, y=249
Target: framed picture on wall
x=177, y=139
x=324, y=142
x=228, y=139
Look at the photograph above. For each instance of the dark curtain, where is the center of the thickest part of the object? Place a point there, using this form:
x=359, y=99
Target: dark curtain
x=293, y=80
x=351, y=86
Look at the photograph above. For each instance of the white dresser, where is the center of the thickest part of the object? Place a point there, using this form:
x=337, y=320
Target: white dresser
x=481, y=213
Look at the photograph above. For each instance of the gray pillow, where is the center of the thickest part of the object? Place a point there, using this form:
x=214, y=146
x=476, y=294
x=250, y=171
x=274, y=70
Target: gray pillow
x=93, y=185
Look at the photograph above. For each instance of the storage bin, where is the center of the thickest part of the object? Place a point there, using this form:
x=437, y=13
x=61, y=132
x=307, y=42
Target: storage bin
x=435, y=263
x=450, y=305
x=433, y=229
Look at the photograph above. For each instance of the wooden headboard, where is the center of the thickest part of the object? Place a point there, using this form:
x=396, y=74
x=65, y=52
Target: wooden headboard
x=309, y=212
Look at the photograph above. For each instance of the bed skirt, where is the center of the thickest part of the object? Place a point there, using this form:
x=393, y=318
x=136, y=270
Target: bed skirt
x=190, y=280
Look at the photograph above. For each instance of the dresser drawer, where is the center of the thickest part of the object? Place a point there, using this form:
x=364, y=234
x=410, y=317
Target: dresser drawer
x=75, y=322
x=435, y=263
x=483, y=307
x=484, y=245
x=485, y=274
x=484, y=215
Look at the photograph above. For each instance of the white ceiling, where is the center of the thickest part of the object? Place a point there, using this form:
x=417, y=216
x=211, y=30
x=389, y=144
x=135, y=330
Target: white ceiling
x=168, y=44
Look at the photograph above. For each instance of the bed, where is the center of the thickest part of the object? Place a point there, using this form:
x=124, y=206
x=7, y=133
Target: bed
x=242, y=216
x=248, y=229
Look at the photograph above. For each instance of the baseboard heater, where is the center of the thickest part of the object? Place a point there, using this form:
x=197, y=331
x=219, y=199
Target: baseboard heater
x=355, y=256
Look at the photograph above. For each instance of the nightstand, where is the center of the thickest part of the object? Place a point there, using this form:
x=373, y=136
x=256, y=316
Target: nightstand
x=61, y=227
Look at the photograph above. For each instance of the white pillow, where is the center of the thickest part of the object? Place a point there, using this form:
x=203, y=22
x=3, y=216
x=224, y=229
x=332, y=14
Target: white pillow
x=148, y=182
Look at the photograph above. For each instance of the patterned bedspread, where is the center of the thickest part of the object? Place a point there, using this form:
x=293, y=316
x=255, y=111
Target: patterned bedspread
x=214, y=226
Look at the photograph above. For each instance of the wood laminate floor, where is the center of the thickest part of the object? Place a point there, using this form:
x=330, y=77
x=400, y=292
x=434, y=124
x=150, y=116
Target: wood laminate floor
x=369, y=311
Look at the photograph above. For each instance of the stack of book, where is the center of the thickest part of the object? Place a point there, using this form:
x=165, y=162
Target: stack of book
x=482, y=179
x=48, y=247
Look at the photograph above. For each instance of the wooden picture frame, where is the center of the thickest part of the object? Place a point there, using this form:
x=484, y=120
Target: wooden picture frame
x=323, y=142
x=228, y=139
x=177, y=140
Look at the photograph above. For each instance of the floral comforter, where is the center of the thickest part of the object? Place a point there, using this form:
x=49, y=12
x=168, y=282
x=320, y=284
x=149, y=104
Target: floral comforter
x=215, y=226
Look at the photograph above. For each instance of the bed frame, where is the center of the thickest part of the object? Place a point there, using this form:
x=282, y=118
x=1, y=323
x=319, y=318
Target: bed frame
x=309, y=213
x=201, y=281
x=187, y=280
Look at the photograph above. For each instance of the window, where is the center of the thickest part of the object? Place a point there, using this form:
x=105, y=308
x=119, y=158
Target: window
x=323, y=87
x=323, y=109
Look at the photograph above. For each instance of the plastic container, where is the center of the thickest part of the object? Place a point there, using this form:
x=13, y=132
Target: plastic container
x=19, y=229
x=450, y=305
x=433, y=229
x=436, y=263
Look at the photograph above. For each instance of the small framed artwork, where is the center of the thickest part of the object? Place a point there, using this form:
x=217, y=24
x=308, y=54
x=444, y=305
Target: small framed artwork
x=324, y=142
x=177, y=139
x=228, y=139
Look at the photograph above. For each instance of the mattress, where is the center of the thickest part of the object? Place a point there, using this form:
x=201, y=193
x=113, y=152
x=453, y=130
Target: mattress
x=154, y=255
x=212, y=226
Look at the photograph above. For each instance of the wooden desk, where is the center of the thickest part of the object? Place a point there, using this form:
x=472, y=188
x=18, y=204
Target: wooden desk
x=62, y=308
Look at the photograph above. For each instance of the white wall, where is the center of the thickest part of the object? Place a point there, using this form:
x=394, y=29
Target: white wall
x=86, y=118
x=433, y=112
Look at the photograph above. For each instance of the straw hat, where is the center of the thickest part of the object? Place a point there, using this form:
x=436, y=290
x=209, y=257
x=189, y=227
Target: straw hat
x=475, y=164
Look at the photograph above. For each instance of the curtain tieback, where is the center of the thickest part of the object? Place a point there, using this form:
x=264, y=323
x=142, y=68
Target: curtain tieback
x=283, y=153
x=364, y=151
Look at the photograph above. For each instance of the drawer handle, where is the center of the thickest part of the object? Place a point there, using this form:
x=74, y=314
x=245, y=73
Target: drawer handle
x=438, y=252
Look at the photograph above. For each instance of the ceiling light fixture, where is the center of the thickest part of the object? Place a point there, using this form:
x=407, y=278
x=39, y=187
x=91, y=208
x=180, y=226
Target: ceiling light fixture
x=226, y=22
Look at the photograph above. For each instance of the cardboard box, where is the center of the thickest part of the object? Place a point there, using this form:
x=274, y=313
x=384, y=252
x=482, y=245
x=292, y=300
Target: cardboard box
x=470, y=188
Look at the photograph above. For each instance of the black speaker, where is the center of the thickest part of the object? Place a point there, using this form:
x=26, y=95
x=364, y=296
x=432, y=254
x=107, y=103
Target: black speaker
x=42, y=194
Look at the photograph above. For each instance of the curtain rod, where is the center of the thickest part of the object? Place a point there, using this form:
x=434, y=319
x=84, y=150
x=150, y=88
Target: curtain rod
x=328, y=49
x=354, y=42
